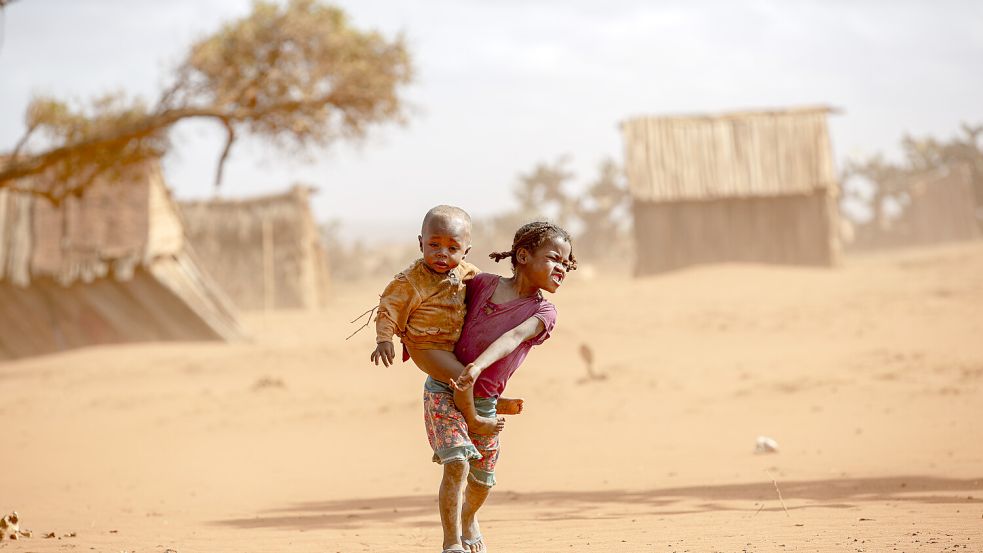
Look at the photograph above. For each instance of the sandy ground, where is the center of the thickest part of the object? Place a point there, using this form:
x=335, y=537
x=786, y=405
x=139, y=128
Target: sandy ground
x=870, y=377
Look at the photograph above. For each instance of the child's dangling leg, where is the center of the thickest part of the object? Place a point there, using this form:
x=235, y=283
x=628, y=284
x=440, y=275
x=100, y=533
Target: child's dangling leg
x=486, y=426
x=442, y=366
x=509, y=406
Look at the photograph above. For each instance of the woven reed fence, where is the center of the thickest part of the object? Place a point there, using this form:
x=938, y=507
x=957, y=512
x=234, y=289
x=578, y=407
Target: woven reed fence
x=108, y=267
x=265, y=252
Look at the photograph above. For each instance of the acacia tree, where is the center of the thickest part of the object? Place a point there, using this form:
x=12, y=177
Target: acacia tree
x=892, y=181
x=964, y=149
x=542, y=191
x=298, y=75
x=888, y=181
x=598, y=216
x=604, y=214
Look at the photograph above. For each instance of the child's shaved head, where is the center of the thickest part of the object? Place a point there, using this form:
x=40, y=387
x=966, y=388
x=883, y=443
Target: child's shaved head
x=445, y=237
x=447, y=215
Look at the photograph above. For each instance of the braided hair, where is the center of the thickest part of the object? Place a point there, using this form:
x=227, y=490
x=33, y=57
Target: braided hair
x=533, y=235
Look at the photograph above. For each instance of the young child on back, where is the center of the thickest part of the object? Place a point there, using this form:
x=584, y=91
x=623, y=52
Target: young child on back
x=425, y=306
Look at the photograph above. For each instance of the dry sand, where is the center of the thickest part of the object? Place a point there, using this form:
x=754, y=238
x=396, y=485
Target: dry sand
x=870, y=377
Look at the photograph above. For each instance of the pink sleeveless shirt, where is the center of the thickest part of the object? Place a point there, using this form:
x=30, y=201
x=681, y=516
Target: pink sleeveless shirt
x=487, y=321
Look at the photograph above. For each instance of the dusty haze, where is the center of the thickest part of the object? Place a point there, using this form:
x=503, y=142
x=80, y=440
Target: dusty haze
x=869, y=377
x=504, y=85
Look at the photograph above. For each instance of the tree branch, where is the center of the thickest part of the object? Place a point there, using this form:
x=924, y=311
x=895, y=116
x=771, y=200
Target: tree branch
x=297, y=74
x=230, y=137
x=26, y=166
x=23, y=141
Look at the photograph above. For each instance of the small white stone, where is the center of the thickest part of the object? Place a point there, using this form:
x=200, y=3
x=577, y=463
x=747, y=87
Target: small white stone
x=764, y=444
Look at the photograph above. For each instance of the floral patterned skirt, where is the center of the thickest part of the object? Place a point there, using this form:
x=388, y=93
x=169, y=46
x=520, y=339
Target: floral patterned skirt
x=448, y=434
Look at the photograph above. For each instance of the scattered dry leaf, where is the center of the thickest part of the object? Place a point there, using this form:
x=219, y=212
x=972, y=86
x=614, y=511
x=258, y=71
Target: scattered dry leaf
x=268, y=382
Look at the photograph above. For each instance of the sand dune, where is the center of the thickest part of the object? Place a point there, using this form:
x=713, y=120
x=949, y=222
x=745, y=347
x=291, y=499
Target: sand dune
x=869, y=377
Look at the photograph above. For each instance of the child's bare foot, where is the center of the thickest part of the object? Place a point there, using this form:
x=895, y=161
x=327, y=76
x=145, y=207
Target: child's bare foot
x=487, y=425
x=472, y=539
x=509, y=406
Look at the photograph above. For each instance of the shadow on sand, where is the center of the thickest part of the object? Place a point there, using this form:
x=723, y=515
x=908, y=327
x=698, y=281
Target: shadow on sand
x=421, y=510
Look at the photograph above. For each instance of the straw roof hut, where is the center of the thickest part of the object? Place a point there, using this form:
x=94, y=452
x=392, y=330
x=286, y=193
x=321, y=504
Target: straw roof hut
x=110, y=266
x=749, y=186
x=265, y=251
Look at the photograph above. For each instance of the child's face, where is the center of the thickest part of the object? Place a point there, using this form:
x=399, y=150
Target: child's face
x=444, y=242
x=547, y=266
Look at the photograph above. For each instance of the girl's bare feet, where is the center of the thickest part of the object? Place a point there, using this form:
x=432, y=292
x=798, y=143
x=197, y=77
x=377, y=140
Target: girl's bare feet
x=487, y=425
x=509, y=406
x=472, y=539
x=474, y=498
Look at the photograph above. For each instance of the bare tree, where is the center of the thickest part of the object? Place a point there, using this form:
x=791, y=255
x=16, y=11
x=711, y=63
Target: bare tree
x=890, y=182
x=964, y=149
x=298, y=75
x=603, y=214
x=598, y=216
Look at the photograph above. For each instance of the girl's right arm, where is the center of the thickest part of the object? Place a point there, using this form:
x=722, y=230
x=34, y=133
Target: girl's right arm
x=504, y=345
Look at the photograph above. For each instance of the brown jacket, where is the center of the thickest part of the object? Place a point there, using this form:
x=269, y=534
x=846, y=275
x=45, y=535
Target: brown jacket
x=424, y=308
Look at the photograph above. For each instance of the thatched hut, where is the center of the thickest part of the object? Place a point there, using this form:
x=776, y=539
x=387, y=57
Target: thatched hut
x=265, y=252
x=750, y=186
x=111, y=266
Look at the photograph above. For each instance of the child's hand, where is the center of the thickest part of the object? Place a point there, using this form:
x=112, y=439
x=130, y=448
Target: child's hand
x=467, y=378
x=385, y=352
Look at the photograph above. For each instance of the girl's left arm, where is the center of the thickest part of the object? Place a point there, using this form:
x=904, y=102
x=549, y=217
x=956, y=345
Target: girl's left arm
x=504, y=345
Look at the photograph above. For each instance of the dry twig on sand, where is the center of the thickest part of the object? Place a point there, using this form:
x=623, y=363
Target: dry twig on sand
x=775, y=482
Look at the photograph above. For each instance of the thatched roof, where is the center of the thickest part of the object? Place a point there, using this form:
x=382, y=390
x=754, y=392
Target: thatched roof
x=235, y=214
x=741, y=154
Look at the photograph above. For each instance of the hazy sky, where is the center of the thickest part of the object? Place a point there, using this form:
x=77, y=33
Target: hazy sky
x=503, y=85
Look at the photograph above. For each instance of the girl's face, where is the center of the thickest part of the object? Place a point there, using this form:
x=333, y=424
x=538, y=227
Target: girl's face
x=547, y=266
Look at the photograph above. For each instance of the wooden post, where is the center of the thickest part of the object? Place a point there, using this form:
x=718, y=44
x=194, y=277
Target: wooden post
x=269, y=277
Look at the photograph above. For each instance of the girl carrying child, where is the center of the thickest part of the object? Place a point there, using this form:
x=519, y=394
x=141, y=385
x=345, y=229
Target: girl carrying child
x=505, y=318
